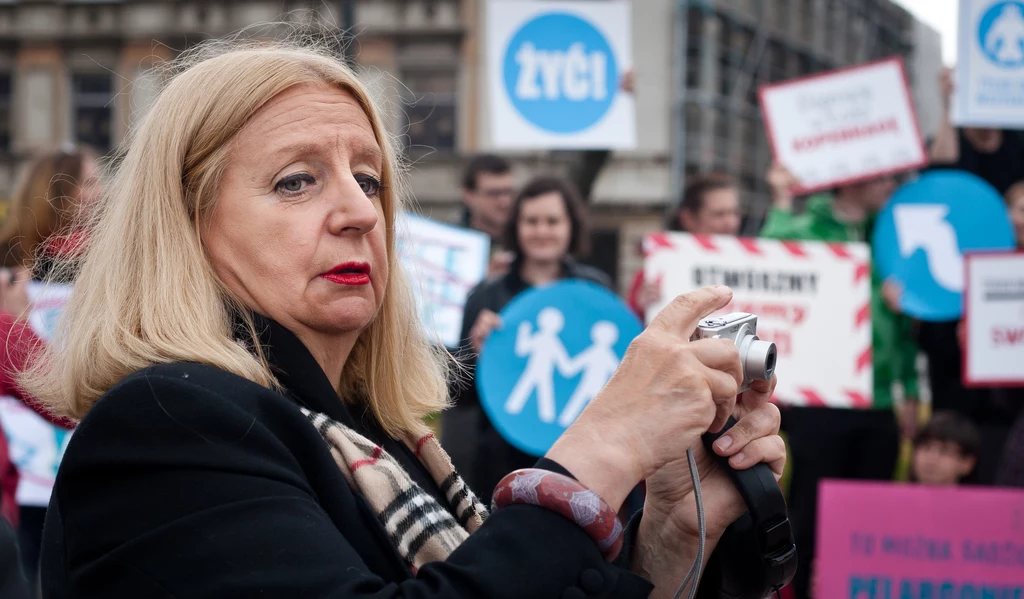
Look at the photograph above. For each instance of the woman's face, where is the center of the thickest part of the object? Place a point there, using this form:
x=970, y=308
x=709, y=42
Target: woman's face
x=544, y=228
x=1017, y=217
x=298, y=230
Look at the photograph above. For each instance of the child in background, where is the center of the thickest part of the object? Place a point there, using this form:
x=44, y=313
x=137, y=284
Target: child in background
x=945, y=450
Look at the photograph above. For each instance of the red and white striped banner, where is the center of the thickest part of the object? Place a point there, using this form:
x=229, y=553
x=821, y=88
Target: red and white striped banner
x=812, y=299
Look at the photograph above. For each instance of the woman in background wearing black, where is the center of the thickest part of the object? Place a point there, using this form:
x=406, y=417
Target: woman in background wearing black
x=546, y=231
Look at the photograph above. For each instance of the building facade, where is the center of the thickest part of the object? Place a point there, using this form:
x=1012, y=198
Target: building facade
x=82, y=71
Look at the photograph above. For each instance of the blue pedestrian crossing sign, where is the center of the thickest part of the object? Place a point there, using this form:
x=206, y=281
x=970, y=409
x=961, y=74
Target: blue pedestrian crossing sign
x=558, y=346
x=923, y=233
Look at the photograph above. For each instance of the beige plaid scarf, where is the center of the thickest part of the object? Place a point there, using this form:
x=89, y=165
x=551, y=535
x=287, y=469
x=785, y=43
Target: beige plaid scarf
x=420, y=528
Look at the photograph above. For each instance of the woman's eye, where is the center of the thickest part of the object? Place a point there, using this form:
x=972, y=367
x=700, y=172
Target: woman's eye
x=293, y=184
x=370, y=185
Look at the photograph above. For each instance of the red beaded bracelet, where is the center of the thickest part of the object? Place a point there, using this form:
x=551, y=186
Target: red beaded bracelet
x=567, y=497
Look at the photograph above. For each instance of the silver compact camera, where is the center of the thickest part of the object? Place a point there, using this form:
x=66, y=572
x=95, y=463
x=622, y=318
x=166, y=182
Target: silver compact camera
x=756, y=356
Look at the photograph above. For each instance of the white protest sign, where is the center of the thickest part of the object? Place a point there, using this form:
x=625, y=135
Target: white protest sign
x=445, y=263
x=994, y=319
x=990, y=64
x=844, y=126
x=35, y=445
x=553, y=74
x=811, y=299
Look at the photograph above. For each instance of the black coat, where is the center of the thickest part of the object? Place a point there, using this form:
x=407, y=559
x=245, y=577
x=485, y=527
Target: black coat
x=477, y=449
x=187, y=481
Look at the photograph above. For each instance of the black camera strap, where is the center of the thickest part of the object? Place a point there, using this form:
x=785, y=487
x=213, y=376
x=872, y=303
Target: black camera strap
x=756, y=556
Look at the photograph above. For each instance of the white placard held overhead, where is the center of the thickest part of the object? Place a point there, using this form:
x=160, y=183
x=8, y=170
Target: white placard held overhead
x=844, y=126
x=553, y=74
x=445, y=263
x=994, y=319
x=812, y=299
x=990, y=64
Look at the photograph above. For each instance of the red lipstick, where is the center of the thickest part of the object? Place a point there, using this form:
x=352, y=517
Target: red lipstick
x=349, y=273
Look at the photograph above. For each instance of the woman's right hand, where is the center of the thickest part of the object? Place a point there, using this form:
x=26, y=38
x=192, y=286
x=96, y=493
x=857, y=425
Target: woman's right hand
x=665, y=394
x=486, y=322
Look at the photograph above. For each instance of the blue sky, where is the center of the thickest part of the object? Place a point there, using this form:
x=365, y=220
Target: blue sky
x=942, y=15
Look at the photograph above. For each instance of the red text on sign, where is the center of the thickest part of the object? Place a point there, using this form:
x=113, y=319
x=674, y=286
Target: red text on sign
x=791, y=314
x=1007, y=336
x=812, y=142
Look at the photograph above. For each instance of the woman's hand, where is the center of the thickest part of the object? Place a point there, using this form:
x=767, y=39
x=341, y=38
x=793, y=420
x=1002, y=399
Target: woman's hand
x=946, y=87
x=669, y=530
x=14, y=292
x=648, y=294
x=781, y=181
x=892, y=295
x=485, y=323
x=665, y=394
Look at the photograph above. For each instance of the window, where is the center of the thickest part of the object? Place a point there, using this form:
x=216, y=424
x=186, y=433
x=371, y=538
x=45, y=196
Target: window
x=5, y=112
x=807, y=21
x=92, y=96
x=430, y=110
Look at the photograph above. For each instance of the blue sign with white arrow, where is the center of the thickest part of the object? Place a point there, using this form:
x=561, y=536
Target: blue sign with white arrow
x=558, y=346
x=923, y=233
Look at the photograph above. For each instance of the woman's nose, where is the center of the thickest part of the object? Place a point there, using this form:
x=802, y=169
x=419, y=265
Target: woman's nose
x=353, y=211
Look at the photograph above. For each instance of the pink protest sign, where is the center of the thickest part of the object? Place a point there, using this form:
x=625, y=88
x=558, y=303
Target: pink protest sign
x=896, y=541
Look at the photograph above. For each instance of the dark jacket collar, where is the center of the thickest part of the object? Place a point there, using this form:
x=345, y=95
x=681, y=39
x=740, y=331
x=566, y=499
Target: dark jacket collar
x=300, y=374
x=514, y=279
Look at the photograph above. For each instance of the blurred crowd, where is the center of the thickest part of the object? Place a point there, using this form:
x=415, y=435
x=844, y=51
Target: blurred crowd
x=539, y=235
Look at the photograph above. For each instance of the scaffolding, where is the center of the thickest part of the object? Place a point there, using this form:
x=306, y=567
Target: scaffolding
x=727, y=49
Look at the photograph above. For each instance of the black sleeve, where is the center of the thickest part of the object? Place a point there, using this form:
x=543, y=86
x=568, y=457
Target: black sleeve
x=168, y=489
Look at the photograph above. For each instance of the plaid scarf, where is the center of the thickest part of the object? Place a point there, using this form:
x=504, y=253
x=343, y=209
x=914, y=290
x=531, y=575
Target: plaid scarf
x=421, y=529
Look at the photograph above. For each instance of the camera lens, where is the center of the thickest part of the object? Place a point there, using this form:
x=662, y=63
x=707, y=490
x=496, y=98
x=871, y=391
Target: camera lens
x=759, y=362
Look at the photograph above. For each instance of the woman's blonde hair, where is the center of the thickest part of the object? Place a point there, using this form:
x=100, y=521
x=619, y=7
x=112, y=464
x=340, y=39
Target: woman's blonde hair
x=147, y=293
x=43, y=205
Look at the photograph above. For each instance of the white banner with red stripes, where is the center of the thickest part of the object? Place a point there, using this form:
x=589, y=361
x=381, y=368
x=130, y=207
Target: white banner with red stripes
x=812, y=299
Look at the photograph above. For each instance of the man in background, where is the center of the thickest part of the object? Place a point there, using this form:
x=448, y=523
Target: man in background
x=488, y=188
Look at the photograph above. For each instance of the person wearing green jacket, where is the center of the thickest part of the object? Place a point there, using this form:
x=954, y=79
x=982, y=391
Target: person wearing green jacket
x=841, y=443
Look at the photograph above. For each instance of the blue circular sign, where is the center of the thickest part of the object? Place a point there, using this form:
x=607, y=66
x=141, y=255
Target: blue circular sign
x=558, y=346
x=560, y=73
x=923, y=233
x=1001, y=34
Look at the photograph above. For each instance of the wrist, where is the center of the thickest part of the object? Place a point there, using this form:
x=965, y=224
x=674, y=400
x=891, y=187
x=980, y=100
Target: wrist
x=599, y=465
x=664, y=556
x=783, y=201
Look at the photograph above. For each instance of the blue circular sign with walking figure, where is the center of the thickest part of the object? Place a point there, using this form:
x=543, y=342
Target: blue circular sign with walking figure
x=558, y=346
x=560, y=73
x=1001, y=34
x=924, y=231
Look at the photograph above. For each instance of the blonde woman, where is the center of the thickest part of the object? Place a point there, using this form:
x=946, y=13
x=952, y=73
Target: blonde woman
x=243, y=351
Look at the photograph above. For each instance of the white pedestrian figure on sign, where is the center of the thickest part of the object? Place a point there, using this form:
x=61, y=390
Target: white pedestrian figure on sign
x=597, y=362
x=545, y=351
x=1005, y=38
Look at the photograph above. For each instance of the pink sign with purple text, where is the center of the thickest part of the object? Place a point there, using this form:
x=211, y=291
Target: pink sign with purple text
x=900, y=541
